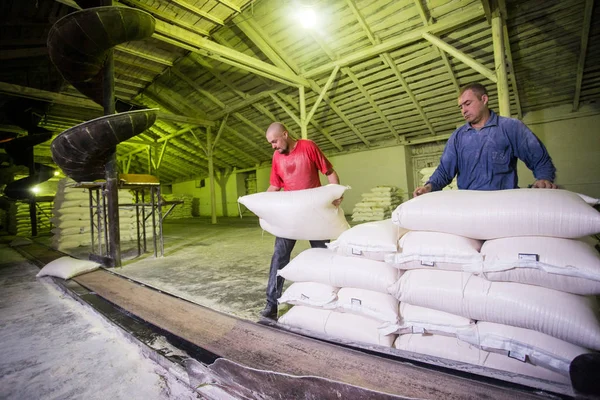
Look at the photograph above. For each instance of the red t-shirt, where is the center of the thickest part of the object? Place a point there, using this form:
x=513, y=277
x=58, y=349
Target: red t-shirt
x=300, y=168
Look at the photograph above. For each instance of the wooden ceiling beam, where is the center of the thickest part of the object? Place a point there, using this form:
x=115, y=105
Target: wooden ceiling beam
x=278, y=57
x=183, y=147
x=585, y=33
x=163, y=16
x=441, y=54
x=230, y=5
x=469, y=14
x=389, y=62
x=471, y=62
x=207, y=47
x=249, y=141
x=314, y=123
x=189, y=7
x=372, y=102
x=145, y=56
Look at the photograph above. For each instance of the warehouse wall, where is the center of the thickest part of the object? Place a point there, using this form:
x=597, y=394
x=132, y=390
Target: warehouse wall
x=366, y=169
x=573, y=144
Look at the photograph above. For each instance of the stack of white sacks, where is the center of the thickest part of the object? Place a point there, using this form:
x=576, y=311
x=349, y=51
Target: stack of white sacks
x=343, y=291
x=497, y=279
x=19, y=218
x=180, y=210
x=377, y=204
x=426, y=174
x=71, y=217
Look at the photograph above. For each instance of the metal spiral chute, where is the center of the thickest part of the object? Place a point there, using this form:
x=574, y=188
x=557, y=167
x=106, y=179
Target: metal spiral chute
x=78, y=44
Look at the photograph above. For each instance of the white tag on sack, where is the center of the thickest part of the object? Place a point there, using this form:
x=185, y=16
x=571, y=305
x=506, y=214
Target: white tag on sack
x=517, y=356
x=356, y=252
x=529, y=257
x=355, y=302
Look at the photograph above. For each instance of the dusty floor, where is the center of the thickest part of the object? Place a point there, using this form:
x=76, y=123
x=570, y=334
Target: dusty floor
x=54, y=348
x=223, y=266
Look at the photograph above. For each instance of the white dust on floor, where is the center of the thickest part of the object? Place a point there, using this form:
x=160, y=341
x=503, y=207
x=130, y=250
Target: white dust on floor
x=52, y=347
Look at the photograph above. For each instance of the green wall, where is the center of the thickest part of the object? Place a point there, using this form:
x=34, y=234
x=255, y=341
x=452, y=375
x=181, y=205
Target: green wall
x=573, y=141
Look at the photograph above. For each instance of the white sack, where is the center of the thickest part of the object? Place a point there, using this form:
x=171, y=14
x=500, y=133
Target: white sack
x=310, y=294
x=421, y=249
x=565, y=316
x=415, y=319
x=371, y=240
x=502, y=213
x=562, y=264
x=523, y=344
x=357, y=328
x=454, y=349
x=379, y=306
x=300, y=214
x=311, y=319
x=354, y=328
x=324, y=266
x=592, y=201
x=67, y=267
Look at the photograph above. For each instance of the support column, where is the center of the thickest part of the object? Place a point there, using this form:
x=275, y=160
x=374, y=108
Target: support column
x=111, y=168
x=500, y=62
x=211, y=175
x=303, y=121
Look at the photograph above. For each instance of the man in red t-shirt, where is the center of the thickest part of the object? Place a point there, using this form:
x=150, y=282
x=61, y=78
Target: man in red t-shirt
x=296, y=166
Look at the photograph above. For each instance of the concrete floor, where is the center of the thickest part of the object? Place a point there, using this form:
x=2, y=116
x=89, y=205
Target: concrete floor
x=53, y=347
x=223, y=266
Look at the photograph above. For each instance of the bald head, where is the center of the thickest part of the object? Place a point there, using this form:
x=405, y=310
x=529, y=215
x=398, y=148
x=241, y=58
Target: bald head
x=279, y=138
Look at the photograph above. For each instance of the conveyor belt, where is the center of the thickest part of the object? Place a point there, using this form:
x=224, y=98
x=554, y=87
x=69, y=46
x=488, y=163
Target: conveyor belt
x=254, y=357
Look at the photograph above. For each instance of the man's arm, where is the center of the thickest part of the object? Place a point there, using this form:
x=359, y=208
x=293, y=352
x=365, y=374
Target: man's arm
x=272, y=188
x=534, y=154
x=445, y=172
x=333, y=177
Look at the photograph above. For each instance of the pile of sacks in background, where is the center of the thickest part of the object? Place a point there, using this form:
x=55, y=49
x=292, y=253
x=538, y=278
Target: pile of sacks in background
x=180, y=210
x=19, y=219
x=426, y=174
x=496, y=279
x=71, y=217
x=377, y=204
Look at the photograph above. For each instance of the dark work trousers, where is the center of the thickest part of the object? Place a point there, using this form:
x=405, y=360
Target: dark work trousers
x=281, y=257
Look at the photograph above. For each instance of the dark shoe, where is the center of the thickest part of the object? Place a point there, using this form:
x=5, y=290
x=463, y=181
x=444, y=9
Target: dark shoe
x=270, y=311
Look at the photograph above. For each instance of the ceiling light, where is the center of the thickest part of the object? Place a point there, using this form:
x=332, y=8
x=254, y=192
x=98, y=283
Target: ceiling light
x=35, y=189
x=307, y=17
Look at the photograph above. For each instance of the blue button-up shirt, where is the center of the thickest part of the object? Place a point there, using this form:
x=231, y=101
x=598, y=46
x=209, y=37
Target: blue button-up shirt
x=486, y=159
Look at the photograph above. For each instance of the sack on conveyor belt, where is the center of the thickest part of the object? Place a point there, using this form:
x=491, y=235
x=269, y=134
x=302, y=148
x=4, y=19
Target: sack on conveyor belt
x=311, y=294
x=452, y=348
x=563, y=315
x=347, y=327
x=435, y=250
x=522, y=344
x=324, y=266
x=502, y=213
x=373, y=240
x=300, y=214
x=67, y=267
x=561, y=264
x=415, y=319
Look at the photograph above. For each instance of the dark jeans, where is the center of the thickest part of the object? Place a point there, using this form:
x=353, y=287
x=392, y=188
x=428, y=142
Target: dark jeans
x=281, y=257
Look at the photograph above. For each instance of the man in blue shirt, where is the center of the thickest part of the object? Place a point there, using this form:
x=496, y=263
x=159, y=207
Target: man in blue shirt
x=484, y=151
